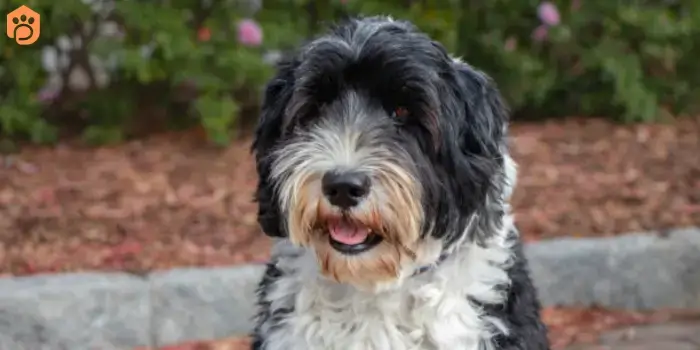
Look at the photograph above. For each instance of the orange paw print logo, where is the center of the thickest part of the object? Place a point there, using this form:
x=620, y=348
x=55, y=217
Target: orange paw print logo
x=23, y=25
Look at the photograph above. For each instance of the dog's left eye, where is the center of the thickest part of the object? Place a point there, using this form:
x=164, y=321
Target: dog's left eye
x=400, y=112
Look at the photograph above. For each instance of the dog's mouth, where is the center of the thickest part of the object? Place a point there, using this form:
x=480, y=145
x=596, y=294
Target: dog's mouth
x=350, y=237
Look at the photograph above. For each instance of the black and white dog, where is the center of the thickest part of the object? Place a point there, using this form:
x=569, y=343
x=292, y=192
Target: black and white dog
x=385, y=176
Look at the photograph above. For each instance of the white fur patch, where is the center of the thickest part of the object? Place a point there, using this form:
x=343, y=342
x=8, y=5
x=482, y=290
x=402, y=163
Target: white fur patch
x=511, y=173
x=427, y=312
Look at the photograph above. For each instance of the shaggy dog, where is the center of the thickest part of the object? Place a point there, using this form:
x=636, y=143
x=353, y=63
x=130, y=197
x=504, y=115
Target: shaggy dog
x=384, y=177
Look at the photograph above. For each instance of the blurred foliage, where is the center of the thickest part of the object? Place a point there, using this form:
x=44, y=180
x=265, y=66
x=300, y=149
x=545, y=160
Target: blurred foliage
x=179, y=55
x=183, y=62
x=627, y=60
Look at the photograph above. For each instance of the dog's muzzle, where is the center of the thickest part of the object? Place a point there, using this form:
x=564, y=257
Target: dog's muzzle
x=345, y=190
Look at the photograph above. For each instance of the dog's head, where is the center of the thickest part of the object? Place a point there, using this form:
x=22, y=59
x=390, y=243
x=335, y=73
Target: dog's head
x=378, y=150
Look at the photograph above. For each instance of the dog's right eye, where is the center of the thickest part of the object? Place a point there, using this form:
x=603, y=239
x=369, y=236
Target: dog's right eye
x=400, y=112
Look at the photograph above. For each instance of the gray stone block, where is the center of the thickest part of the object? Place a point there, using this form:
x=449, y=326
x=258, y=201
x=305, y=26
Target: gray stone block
x=74, y=312
x=190, y=304
x=638, y=271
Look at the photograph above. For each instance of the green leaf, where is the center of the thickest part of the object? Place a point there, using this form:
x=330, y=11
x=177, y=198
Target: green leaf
x=102, y=134
x=41, y=132
x=217, y=115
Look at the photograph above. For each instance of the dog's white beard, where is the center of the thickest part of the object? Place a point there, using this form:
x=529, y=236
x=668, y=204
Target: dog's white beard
x=352, y=141
x=427, y=312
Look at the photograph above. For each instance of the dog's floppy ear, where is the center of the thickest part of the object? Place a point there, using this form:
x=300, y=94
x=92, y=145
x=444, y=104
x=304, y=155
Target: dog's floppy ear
x=483, y=117
x=268, y=132
x=486, y=112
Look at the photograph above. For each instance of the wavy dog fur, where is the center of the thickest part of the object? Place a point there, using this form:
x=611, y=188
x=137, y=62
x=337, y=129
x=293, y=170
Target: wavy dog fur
x=376, y=96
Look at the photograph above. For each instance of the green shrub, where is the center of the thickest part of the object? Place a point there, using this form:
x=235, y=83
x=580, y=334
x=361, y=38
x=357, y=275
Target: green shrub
x=180, y=62
x=183, y=57
x=631, y=61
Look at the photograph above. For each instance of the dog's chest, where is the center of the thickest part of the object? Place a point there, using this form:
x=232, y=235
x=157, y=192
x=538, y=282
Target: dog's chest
x=426, y=316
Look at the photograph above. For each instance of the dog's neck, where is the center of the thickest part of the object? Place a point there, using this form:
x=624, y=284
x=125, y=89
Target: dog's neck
x=448, y=252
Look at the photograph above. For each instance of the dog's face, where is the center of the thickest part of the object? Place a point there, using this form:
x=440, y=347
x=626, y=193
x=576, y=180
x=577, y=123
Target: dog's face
x=377, y=150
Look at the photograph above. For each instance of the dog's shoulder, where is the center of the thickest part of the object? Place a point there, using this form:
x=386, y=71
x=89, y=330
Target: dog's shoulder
x=520, y=312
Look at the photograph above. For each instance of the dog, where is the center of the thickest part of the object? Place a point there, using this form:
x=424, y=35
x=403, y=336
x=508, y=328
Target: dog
x=384, y=179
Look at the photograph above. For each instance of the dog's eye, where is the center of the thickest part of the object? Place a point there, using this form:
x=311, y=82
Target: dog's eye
x=400, y=112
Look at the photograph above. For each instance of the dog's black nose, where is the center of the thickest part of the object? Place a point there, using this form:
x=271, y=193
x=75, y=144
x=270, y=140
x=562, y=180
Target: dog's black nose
x=345, y=189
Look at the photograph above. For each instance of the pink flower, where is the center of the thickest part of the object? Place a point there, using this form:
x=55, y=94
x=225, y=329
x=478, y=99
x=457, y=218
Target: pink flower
x=540, y=33
x=47, y=94
x=548, y=13
x=249, y=33
x=511, y=44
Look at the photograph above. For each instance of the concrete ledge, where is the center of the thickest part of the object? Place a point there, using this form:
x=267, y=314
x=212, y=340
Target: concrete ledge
x=74, y=311
x=120, y=311
x=638, y=271
x=203, y=304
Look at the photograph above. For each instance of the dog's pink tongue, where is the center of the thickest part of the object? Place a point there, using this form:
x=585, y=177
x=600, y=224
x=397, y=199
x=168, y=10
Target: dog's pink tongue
x=348, y=233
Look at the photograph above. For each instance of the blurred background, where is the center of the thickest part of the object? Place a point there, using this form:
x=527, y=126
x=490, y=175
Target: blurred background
x=125, y=129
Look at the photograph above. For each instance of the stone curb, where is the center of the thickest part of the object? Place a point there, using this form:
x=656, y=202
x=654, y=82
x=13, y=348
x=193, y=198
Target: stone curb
x=120, y=311
x=637, y=271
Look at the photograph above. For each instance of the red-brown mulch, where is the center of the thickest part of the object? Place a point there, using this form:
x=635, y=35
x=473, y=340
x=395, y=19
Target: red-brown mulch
x=170, y=200
x=157, y=203
x=589, y=178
